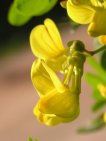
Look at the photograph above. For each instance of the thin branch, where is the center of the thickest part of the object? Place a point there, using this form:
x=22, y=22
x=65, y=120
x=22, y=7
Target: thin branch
x=96, y=51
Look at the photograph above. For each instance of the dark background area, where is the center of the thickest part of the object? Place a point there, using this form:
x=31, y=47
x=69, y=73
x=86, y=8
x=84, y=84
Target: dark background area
x=7, y=30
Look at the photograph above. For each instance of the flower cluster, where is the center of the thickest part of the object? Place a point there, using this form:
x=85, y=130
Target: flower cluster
x=59, y=95
x=90, y=12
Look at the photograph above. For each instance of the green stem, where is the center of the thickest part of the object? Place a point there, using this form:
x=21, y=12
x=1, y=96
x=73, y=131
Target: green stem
x=68, y=75
x=96, y=51
x=77, y=80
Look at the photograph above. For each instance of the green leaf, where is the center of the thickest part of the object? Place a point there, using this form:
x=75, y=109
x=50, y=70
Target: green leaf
x=100, y=71
x=21, y=11
x=15, y=18
x=93, y=79
x=30, y=139
x=34, y=7
x=97, y=95
x=103, y=60
x=94, y=125
x=98, y=105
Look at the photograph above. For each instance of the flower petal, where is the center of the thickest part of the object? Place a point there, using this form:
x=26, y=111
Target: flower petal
x=61, y=104
x=56, y=64
x=54, y=34
x=98, y=3
x=56, y=81
x=47, y=119
x=45, y=41
x=97, y=28
x=63, y=3
x=51, y=119
x=40, y=78
x=80, y=13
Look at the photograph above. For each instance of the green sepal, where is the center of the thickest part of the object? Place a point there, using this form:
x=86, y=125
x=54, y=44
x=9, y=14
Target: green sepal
x=98, y=105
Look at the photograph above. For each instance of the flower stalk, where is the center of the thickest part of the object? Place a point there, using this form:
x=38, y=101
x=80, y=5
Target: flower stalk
x=96, y=51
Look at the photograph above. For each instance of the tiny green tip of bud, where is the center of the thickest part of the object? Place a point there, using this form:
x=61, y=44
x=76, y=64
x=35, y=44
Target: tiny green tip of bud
x=76, y=45
x=69, y=44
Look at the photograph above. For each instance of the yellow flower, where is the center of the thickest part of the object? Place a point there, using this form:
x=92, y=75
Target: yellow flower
x=102, y=89
x=90, y=12
x=102, y=39
x=46, y=44
x=58, y=103
x=104, y=117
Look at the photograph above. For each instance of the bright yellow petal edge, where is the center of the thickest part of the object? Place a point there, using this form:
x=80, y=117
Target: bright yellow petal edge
x=40, y=78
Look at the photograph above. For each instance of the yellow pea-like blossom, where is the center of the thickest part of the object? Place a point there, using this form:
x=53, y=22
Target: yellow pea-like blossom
x=58, y=103
x=90, y=12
